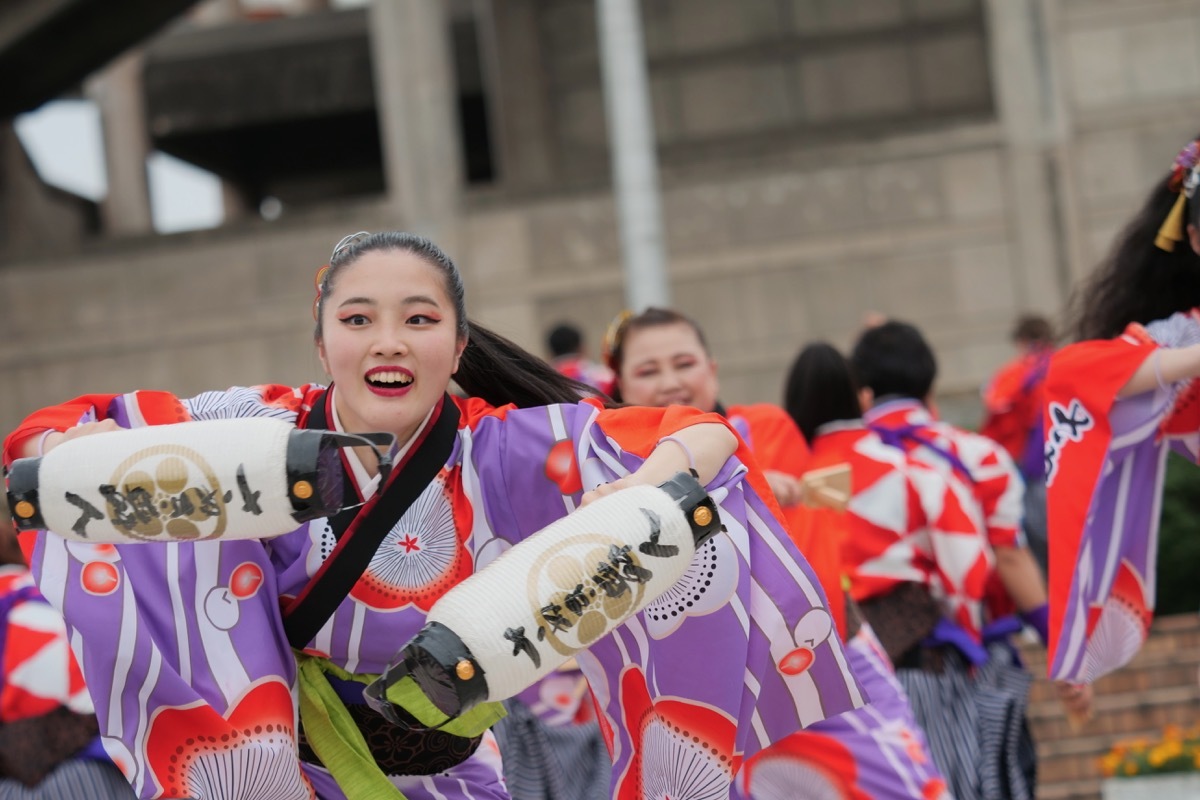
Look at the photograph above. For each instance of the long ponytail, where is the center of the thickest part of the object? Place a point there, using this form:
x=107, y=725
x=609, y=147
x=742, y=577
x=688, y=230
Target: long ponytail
x=501, y=371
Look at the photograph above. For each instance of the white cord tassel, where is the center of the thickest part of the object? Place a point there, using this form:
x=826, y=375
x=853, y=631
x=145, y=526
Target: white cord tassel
x=166, y=483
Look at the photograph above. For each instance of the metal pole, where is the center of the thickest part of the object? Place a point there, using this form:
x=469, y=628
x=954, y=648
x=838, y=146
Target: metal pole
x=413, y=67
x=634, y=163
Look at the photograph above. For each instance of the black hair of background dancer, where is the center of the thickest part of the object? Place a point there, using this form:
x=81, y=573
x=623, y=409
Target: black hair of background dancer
x=820, y=388
x=564, y=339
x=491, y=367
x=1137, y=281
x=893, y=359
x=1033, y=329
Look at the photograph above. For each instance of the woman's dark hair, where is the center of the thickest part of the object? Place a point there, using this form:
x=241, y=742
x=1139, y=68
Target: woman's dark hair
x=492, y=367
x=618, y=335
x=894, y=359
x=564, y=339
x=1033, y=329
x=1137, y=281
x=501, y=371
x=820, y=388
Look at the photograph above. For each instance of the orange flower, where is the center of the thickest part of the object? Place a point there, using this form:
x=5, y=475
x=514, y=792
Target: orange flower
x=1177, y=750
x=1110, y=763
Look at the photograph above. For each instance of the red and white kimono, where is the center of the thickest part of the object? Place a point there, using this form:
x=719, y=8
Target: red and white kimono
x=983, y=489
x=1105, y=464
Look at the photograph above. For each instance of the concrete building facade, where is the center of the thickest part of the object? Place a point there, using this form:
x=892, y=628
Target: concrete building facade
x=948, y=162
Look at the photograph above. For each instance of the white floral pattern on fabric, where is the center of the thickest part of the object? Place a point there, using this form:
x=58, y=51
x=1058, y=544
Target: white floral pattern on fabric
x=705, y=587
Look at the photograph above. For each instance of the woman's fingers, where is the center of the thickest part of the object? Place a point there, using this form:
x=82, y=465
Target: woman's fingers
x=1075, y=697
x=787, y=489
x=86, y=429
x=606, y=489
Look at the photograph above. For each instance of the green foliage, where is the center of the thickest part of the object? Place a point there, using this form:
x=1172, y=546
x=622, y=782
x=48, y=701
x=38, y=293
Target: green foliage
x=1179, y=539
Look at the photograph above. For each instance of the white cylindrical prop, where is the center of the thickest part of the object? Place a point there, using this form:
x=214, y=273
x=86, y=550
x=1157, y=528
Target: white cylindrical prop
x=555, y=593
x=234, y=479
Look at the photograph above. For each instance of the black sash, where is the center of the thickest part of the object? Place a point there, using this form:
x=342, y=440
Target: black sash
x=361, y=530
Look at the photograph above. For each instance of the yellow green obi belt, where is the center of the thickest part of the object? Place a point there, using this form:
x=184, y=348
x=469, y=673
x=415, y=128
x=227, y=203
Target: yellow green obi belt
x=360, y=748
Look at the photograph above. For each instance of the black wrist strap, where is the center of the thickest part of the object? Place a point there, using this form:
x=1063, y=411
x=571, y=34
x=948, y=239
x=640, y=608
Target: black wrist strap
x=307, y=614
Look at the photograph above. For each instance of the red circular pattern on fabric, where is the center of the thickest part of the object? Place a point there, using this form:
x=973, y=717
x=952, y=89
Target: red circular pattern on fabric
x=99, y=578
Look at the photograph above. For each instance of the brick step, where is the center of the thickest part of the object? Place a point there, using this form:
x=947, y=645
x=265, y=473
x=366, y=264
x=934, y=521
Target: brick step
x=1067, y=771
x=1043, y=699
x=1160, y=686
x=1123, y=723
x=1103, y=703
x=1089, y=744
x=1154, y=654
x=1106, y=704
x=1083, y=789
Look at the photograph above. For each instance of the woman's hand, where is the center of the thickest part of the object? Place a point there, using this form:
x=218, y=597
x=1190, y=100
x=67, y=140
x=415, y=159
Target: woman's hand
x=709, y=443
x=48, y=442
x=1076, y=699
x=787, y=489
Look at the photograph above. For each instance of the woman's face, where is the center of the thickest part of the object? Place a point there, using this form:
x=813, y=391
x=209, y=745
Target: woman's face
x=666, y=364
x=389, y=342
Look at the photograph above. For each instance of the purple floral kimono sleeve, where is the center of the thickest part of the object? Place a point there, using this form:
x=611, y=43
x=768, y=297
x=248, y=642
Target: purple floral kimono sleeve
x=181, y=644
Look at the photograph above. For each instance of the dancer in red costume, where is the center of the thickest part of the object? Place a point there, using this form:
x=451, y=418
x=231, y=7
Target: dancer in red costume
x=1013, y=401
x=965, y=681
x=1117, y=401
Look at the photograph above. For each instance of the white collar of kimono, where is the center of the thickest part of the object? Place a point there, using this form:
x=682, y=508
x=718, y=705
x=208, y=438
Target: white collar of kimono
x=367, y=483
x=840, y=425
x=918, y=413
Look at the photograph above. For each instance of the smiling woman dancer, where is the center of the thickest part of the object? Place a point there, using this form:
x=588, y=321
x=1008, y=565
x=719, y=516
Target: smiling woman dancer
x=196, y=698
x=660, y=358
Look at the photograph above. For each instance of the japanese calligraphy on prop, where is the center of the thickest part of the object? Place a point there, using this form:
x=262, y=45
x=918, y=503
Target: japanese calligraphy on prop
x=239, y=478
x=553, y=595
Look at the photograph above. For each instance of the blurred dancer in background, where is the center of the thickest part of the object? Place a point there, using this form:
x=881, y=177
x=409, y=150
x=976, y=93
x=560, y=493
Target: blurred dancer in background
x=49, y=740
x=568, y=355
x=965, y=680
x=1013, y=403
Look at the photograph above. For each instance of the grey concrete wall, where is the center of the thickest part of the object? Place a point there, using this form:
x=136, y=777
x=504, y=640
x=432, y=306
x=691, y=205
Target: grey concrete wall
x=769, y=260
x=1130, y=78
x=772, y=70
x=764, y=260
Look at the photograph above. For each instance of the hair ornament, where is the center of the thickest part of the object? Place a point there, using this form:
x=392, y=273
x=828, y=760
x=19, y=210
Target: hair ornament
x=323, y=272
x=613, y=336
x=346, y=241
x=318, y=282
x=1185, y=178
x=1185, y=163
